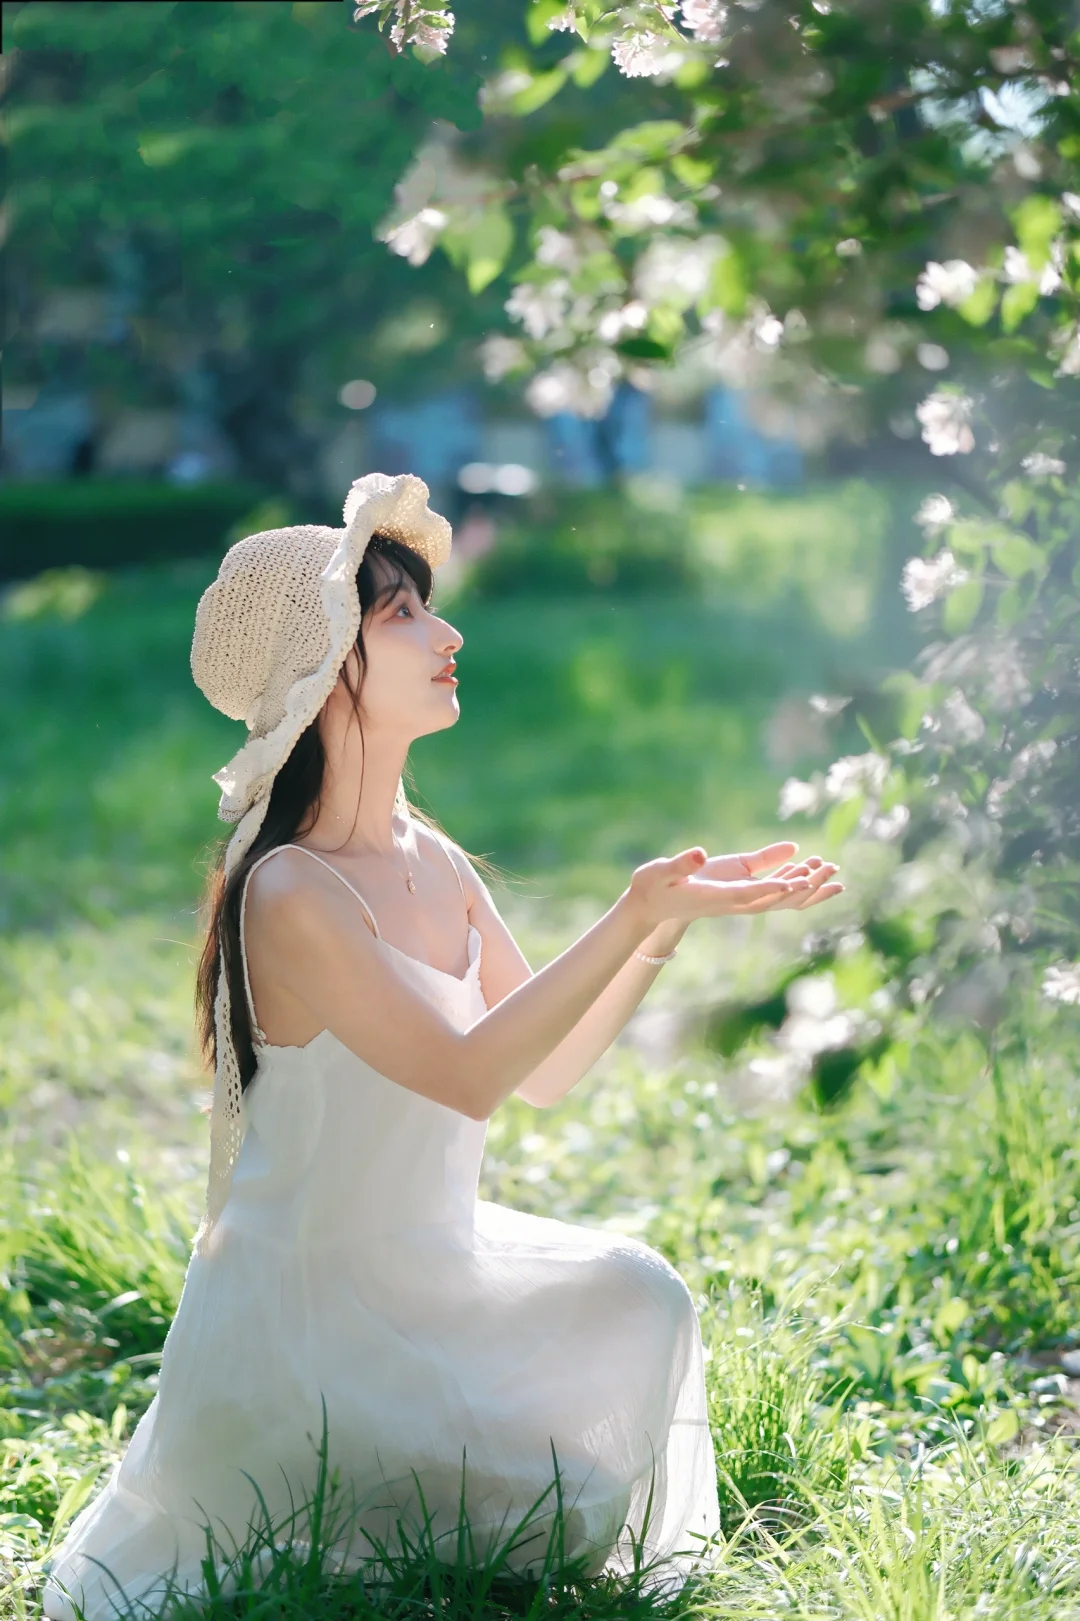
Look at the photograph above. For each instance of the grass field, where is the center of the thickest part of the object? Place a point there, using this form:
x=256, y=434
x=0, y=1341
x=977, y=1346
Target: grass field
x=888, y=1290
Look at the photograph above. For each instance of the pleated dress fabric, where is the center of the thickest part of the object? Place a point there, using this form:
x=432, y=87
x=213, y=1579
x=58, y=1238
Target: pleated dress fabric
x=458, y=1348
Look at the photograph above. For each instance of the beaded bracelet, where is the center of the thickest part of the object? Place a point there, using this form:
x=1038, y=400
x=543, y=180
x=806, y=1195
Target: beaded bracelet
x=656, y=960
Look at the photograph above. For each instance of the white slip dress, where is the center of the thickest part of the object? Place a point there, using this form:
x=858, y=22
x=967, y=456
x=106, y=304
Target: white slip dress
x=453, y=1344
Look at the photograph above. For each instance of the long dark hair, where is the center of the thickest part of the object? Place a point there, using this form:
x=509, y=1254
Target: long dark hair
x=296, y=791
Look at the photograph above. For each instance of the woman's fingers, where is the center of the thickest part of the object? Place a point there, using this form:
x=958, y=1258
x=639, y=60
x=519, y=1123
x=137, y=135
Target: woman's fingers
x=761, y=860
x=823, y=894
x=818, y=887
x=769, y=891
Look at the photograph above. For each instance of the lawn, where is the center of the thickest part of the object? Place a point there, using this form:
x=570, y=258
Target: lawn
x=888, y=1287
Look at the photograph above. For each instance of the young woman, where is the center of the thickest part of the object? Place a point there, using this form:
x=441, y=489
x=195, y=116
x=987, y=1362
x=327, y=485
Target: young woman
x=366, y=1010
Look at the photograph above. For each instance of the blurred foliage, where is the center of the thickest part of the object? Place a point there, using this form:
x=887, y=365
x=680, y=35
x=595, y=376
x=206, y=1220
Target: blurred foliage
x=103, y=523
x=834, y=548
x=215, y=173
x=582, y=701
x=836, y=204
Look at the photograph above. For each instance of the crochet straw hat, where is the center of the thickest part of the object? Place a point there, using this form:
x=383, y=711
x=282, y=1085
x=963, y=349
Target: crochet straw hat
x=271, y=635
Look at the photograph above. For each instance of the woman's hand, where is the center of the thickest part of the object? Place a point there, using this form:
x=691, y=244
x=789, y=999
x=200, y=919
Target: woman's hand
x=690, y=885
x=739, y=868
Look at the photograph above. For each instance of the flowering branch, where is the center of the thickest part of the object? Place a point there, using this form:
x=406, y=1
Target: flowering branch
x=411, y=23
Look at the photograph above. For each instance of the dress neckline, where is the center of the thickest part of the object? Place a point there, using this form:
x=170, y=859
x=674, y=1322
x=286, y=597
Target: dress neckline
x=444, y=973
x=459, y=979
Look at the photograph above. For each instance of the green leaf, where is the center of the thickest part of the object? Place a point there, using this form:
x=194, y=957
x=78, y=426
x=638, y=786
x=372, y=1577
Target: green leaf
x=961, y=607
x=161, y=150
x=533, y=96
x=1005, y=1427
x=843, y=819
x=643, y=348
x=949, y=1318
x=74, y=1498
x=977, y=309
x=1018, y=301
x=586, y=66
x=652, y=142
x=537, y=17
x=1018, y=498
x=1011, y=604
x=692, y=172
x=728, y=288
x=488, y=248
x=1037, y=221
x=1016, y=555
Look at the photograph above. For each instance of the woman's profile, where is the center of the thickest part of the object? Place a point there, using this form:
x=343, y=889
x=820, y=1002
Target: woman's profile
x=366, y=1009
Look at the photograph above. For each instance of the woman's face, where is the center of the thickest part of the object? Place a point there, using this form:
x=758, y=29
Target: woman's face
x=406, y=687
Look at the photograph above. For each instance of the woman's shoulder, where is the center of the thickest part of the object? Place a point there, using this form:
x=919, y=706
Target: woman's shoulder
x=287, y=881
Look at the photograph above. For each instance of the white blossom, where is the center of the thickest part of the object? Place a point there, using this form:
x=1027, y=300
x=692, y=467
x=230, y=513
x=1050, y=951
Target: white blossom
x=1039, y=465
x=1010, y=58
x=949, y=283
x=555, y=247
x=932, y=356
x=960, y=723
x=812, y=995
x=675, y=270
x=643, y=54
x=414, y=238
x=935, y=511
x=501, y=355
x=564, y=388
x=1061, y=983
x=1067, y=349
x=428, y=26
x=652, y=208
x=823, y=703
x=1034, y=757
x=540, y=307
x=1007, y=684
x=926, y=579
x=855, y=774
x=614, y=323
x=946, y=423
x=890, y=824
x=799, y=798
x=815, y=1023
x=1018, y=269
x=705, y=19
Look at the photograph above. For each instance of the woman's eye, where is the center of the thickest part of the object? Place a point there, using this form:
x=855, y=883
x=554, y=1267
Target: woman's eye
x=406, y=607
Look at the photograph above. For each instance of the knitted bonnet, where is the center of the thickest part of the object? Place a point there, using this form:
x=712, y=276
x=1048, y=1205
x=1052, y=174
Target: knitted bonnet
x=271, y=635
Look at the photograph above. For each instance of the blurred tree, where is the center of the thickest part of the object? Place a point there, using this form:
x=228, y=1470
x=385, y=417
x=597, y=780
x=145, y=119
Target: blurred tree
x=216, y=171
x=871, y=210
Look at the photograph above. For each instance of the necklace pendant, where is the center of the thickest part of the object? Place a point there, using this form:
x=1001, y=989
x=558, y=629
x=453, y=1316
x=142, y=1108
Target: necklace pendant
x=412, y=886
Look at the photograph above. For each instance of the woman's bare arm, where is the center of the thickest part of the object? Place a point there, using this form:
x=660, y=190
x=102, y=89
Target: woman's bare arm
x=504, y=967
x=314, y=947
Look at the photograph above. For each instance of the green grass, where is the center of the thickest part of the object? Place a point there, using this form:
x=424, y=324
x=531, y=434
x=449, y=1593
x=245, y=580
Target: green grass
x=886, y=1287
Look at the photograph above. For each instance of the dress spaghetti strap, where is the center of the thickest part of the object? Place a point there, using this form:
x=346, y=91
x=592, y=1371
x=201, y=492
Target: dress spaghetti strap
x=256, y=1031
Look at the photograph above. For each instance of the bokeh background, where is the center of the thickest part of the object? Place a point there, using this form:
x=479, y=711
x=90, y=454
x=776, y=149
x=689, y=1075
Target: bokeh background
x=741, y=350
